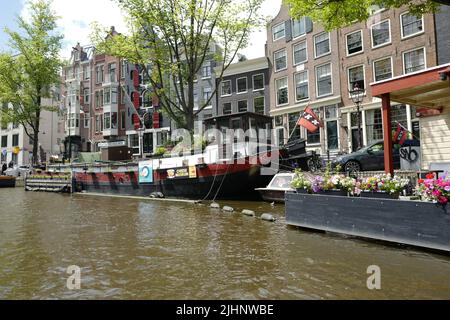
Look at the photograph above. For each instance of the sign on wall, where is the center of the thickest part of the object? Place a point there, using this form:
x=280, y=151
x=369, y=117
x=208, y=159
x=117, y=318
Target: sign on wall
x=146, y=172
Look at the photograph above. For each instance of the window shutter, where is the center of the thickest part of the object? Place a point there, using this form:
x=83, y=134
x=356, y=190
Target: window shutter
x=309, y=24
x=288, y=30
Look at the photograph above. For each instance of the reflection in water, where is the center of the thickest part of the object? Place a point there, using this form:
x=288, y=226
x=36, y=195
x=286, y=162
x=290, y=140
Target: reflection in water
x=129, y=249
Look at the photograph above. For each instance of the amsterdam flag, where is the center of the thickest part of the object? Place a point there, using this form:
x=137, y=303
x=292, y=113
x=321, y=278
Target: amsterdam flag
x=400, y=135
x=309, y=120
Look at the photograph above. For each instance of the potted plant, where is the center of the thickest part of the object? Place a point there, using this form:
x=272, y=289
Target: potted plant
x=300, y=183
x=434, y=190
x=382, y=186
x=332, y=185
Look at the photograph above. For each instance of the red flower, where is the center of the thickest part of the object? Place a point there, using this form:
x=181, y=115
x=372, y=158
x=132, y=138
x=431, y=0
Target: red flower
x=421, y=181
x=430, y=176
x=443, y=200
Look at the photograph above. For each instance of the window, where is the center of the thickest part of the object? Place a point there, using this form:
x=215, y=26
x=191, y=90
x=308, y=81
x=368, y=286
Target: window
x=227, y=108
x=414, y=60
x=122, y=120
x=323, y=79
x=112, y=72
x=381, y=33
x=87, y=120
x=382, y=69
x=301, y=86
x=99, y=74
x=107, y=96
x=206, y=70
x=293, y=119
x=4, y=142
x=226, y=88
x=134, y=143
x=258, y=82
x=86, y=96
x=196, y=101
x=161, y=138
x=300, y=53
x=207, y=96
x=354, y=42
x=98, y=124
x=114, y=95
x=313, y=138
x=280, y=60
x=298, y=27
x=332, y=127
x=322, y=44
x=259, y=105
x=241, y=85
x=374, y=125
x=15, y=140
x=411, y=25
x=86, y=72
x=107, y=120
x=124, y=70
x=278, y=31
x=356, y=78
x=282, y=91
x=242, y=106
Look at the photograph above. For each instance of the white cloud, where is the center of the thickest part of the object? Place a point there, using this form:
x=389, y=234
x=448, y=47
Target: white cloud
x=77, y=16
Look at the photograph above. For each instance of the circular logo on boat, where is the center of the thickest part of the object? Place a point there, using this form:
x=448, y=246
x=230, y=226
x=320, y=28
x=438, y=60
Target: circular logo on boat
x=145, y=172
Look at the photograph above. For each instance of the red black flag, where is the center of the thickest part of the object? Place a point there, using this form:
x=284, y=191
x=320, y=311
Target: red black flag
x=309, y=120
x=401, y=134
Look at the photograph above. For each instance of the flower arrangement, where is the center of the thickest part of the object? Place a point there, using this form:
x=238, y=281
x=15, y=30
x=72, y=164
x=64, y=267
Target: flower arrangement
x=383, y=183
x=349, y=184
x=432, y=189
x=300, y=181
x=317, y=184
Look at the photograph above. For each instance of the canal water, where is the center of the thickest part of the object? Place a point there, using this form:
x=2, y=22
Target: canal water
x=131, y=249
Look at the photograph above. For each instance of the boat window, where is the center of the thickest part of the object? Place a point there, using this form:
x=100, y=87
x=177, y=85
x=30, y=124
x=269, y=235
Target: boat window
x=281, y=182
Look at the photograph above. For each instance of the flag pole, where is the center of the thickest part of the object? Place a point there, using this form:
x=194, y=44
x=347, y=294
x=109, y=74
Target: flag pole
x=296, y=123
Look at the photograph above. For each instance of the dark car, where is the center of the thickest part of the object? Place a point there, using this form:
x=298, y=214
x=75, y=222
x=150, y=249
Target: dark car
x=370, y=158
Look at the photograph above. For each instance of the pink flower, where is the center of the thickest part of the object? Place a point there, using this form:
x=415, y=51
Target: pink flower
x=437, y=193
x=443, y=200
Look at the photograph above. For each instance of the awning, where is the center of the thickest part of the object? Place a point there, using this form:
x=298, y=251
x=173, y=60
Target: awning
x=428, y=89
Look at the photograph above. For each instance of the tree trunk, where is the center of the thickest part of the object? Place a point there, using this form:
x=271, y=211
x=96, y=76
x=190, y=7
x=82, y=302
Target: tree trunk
x=36, y=133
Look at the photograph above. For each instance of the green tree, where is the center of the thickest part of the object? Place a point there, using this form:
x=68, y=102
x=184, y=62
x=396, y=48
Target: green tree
x=29, y=71
x=171, y=39
x=333, y=14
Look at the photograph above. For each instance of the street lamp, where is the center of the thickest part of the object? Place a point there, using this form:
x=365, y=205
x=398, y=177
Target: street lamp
x=357, y=95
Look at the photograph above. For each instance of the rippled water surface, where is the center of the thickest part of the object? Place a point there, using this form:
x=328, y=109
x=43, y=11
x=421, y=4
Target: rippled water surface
x=131, y=249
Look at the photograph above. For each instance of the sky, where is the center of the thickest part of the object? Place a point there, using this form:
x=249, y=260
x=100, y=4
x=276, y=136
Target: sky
x=76, y=17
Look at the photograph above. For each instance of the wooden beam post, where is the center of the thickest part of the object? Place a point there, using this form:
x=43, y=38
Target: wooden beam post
x=387, y=133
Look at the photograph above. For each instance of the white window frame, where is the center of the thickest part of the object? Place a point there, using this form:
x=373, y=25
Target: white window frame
x=205, y=100
x=295, y=86
x=273, y=33
x=424, y=57
x=207, y=65
x=87, y=116
x=293, y=53
x=411, y=35
x=331, y=77
x=264, y=106
x=329, y=45
x=231, y=107
x=364, y=77
x=292, y=28
x=276, y=91
x=362, y=43
x=373, y=68
x=246, y=100
x=390, y=34
x=221, y=88
x=275, y=60
x=237, y=85
x=253, y=82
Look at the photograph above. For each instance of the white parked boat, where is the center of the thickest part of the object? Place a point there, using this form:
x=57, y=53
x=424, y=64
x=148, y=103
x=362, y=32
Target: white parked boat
x=276, y=189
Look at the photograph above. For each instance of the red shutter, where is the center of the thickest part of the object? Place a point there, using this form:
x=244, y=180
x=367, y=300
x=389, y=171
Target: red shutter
x=136, y=100
x=135, y=78
x=156, y=119
x=136, y=121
